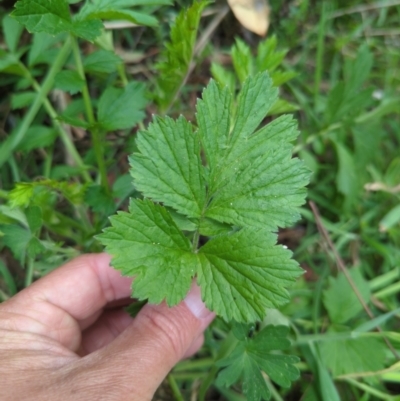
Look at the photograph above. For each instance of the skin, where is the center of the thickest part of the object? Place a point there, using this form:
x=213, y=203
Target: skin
x=64, y=338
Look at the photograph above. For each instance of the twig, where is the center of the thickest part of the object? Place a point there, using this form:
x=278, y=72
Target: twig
x=363, y=8
x=341, y=266
x=210, y=29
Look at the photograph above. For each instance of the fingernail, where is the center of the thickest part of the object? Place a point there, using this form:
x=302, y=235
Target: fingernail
x=195, y=304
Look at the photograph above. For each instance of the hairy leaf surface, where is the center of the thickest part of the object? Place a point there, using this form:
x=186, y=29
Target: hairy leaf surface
x=147, y=244
x=175, y=176
x=228, y=180
x=244, y=273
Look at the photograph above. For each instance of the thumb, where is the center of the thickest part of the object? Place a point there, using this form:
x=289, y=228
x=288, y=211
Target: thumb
x=137, y=361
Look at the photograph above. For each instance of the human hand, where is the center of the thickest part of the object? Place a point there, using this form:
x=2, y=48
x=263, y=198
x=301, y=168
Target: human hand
x=58, y=341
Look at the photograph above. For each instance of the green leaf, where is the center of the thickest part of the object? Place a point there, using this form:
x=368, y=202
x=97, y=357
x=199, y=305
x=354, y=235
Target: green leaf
x=9, y=63
x=252, y=178
x=340, y=300
x=69, y=81
x=102, y=61
x=53, y=17
x=242, y=60
x=240, y=269
x=268, y=57
x=253, y=355
x=146, y=243
x=178, y=54
x=176, y=177
x=243, y=274
x=37, y=136
x=23, y=99
x=121, y=108
x=12, y=32
x=350, y=356
x=24, y=193
x=16, y=238
x=118, y=10
x=346, y=178
x=89, y=30
x=391, y=219
x=34, y=218
x=99, y=201
x=34, y=247
x=8, y=278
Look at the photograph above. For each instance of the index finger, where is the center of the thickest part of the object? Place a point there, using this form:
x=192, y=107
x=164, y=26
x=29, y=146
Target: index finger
x=58, y=304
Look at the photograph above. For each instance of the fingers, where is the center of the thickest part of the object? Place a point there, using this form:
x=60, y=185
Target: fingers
x=135, y=363
x=110, y=325
x=67, y=300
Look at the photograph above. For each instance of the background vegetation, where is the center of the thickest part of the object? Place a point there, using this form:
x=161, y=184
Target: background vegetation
x=337, y=62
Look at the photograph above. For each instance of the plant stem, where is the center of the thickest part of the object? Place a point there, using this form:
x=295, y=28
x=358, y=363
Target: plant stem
x=122, y=74
x=175, y=389
x=96, y=136
x=29, y=272
x=195, y=242
x=14, y=169
x=69, y=145
x=12, y=141
x=320, y=54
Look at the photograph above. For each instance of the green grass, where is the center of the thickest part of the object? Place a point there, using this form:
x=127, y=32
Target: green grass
x=346, y=96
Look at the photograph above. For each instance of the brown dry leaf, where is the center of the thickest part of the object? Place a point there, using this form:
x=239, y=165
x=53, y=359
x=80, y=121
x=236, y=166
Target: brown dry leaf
x=252, y=14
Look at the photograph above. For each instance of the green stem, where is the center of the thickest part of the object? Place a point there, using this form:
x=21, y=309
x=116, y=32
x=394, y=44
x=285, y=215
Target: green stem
x=96, y=135
x=195, y=242
x=69, y=145
x=122, y=74
x=320, y=54
x=29, y=272
x=47, y=164
x=12, y=141
x=175, y=389
x=14, y=169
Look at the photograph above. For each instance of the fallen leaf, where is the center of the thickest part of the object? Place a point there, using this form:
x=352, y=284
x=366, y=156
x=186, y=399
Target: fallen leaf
x=252, y=14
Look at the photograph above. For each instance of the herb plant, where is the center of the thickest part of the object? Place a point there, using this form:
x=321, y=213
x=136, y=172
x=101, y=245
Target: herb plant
x=208, y=196
x=213, y=198
x=247, y=187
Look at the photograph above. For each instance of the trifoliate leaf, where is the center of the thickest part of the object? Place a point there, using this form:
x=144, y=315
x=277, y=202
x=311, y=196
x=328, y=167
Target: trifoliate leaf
x=253, y=355
x=175, y=176
x=53, y=17
x=354, y=355
x=147, y=244
x=121, y=108
x=178, y=53
x=243, y=274
x=233, y=185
